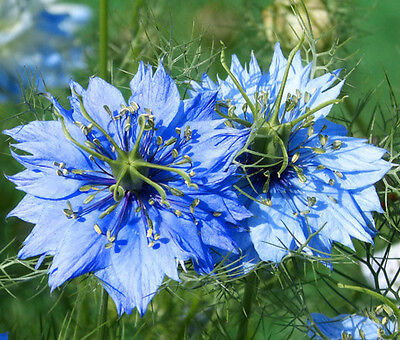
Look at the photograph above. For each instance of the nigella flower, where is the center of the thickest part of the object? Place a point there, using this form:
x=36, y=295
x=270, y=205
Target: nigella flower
x=38, y=36
x=306, y=183
x=128, y=190
x=262, y=88
x=355, y=327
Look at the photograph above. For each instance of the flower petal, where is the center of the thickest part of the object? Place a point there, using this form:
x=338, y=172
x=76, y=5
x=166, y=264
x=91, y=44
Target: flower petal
x=352, y=325
x=157, y=92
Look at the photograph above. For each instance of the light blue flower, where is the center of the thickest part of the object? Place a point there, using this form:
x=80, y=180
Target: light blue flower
x=37, y=37
x=265, y=85
x=128, y=190
x=322, y=191
x=359, y=327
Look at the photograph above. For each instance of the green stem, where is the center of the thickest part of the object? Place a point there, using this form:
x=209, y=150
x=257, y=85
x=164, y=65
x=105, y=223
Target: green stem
x=135, y=148
x=121, y=176
x=239, y=87
x=249, y=296
x=314, y=110
x=235, y=119
x=132, y=54
x=83, y=147
x=285, y=161
x=103, y=46
x=247, y=195
x=182, y=173
x=102, y=320
x=105, y=134
x=285, y=156
x=156, y=186
x=274, y=118
x=376, y=295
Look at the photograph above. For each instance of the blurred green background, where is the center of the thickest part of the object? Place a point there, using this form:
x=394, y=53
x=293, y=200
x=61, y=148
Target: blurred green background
x=147, y=30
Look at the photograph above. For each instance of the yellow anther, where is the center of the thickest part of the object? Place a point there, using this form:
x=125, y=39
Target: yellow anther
x=85, y=188
x=134, y=106
x=266, y=202
x=339, y=174
x=307, y=97
x=333, y=199
x=305, y=212
x=98, y=229
x=109, y=245
x=311, y=201
x=337, y=144
x=295, y=157
x=318, y=151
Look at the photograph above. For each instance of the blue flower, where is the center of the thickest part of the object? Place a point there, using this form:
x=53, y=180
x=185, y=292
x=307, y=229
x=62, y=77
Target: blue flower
x=306, y=183
x=128, y=190
x=38, y=36
x=359, y=327
x=4, y=336
x=265, y=87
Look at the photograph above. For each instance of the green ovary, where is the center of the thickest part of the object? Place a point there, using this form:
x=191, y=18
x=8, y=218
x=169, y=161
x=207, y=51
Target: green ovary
x=126, y=171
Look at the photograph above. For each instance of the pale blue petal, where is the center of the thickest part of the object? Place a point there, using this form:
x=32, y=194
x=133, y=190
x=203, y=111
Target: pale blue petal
x=333, y=328
x=98, y=95
x=158, y=93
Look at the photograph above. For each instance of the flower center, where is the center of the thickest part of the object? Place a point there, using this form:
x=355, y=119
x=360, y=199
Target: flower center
x=269, y=144
x=130, y=169
x=129, y=173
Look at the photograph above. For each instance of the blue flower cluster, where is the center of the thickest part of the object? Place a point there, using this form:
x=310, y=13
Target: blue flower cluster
x=37, y=36
x=355, y=327
x=131, y=189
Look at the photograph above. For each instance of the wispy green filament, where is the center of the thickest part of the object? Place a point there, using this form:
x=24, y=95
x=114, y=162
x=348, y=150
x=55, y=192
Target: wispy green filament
x=274, y=118
x=83, y=147
x=90, y=119
x=240, y=88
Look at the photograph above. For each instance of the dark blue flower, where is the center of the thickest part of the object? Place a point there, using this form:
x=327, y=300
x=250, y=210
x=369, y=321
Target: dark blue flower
x=306, y=183
x=128, y=190
x=357, y=326
x=38, y=36
x=4, y=336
